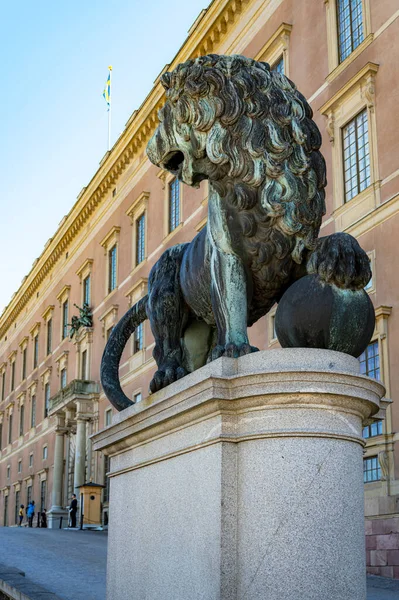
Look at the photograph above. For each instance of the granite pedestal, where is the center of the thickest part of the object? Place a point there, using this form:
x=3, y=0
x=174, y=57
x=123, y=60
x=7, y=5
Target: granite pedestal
x=243, y=481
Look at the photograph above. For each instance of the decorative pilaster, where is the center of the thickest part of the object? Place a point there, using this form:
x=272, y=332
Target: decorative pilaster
x=57, y=510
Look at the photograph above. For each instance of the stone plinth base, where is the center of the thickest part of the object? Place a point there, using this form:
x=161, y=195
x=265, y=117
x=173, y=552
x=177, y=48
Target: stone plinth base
x=54, y=517
x=243, y=481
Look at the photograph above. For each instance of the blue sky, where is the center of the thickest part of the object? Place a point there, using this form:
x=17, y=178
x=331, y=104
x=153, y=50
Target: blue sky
x=52, y=114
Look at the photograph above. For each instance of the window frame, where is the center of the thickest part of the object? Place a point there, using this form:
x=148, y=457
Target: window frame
x=47, y=396
x=136, y=211
x=351, y=37
x=277, y=47
x=63, y=378
x=342, y=133
x=49, y=336
x=356, y=95
x=21, y=419
x=138, y=338
x=336, y=67
x=64, y=318
x=36, y=351
x=369, y=460
x=86, y=288
x=108, y=417
x=174, y=213
x=33, y=411
x=110, y=242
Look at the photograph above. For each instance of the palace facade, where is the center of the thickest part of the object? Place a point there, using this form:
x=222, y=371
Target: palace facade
x=344, y=57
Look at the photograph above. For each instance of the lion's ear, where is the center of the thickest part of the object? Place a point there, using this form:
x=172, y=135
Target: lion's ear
x=165, y=80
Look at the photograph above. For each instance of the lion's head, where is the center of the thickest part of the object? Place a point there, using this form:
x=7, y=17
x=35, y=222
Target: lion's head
x=231, y=120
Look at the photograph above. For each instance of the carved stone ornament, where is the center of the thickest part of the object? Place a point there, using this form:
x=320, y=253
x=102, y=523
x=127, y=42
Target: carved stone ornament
x=250, y=132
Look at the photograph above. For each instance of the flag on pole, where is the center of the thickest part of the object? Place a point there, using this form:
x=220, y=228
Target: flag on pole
x=107, y=89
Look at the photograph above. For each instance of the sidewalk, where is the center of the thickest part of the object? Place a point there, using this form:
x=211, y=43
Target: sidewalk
x=72, y=564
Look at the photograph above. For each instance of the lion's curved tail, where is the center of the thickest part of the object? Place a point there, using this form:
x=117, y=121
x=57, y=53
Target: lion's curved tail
x=109, y=372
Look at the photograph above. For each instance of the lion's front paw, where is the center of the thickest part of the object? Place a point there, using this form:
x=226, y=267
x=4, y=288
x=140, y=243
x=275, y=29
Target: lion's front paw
x=164, y=377
x=338, y=259
x=232, y=351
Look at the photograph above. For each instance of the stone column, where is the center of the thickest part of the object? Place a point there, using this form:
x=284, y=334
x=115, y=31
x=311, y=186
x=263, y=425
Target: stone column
x=80, y=455
x=57, y=511
x=84, y=412
x=250, y=472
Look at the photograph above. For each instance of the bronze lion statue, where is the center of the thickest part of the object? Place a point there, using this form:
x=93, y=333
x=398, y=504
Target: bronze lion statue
x=249, y=131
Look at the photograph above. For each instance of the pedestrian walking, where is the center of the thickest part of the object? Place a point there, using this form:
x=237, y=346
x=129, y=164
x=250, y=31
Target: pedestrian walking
x=73, y=507
x=21, y=515
x=31, y=513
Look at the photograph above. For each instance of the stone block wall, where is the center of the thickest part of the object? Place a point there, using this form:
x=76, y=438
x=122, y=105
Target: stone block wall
x=382, y=547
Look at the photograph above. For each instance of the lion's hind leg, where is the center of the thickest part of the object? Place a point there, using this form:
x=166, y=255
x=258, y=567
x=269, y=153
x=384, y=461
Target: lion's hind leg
x=168, y=315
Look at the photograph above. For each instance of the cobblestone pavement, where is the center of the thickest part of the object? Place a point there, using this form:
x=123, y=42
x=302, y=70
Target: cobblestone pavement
x=72, y=564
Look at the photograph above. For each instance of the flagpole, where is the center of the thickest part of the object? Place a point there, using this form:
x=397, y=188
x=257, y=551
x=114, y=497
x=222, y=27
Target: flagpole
x=109, y=109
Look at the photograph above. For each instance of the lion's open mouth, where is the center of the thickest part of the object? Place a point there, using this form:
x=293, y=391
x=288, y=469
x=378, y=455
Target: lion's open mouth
x=174, y=161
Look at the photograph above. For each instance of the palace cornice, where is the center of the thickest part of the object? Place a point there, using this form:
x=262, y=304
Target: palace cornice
x=214, y=24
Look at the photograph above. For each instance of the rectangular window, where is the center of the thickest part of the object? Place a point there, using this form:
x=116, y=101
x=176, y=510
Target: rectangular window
x=63, y=378
x=106, y=479
x=8, y=471
x=140, y=239
x=138, y=339
x=278, y=66
x=31, y=460
x=24, y=351
x=86, y=290
x=112, y=268
x=373, y=429
x=356, y=156
x=84, y=365
x=20, y=466
x=3, y=385
x=46, y=399
x=174, y=204
x=45, y=452
x=49, y=336
x=1, y=436
x=28, y=495
x=371, y=469
x=64, y=319
x=5, y=511
x=17, y=501
x=43, y=489
x=10, y=429
x=108, y=417
x=370, y=361
x=350, y=26
x=35, y=351
x=137, y=397
x=21, y=419
x=12, y=375
x=33, y=412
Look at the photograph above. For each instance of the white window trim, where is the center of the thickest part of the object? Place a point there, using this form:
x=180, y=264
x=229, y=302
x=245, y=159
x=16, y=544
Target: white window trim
x=108, y=242
x=356, y=95
x=334, y=66
x=277, y=47
x=84, y=271
x=134, y=212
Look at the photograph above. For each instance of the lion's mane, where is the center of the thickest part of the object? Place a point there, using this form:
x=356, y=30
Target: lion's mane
x=257, y=130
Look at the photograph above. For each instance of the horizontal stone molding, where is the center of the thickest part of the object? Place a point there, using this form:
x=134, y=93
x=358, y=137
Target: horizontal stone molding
x=224, y=402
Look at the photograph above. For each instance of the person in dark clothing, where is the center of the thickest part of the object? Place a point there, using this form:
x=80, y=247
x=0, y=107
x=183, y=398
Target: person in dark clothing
x=73, y=507
x=43, y=518
x=31, y=513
